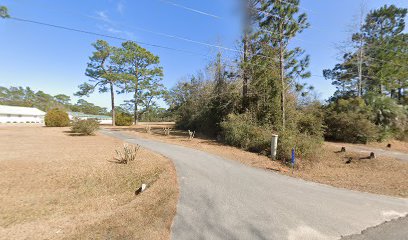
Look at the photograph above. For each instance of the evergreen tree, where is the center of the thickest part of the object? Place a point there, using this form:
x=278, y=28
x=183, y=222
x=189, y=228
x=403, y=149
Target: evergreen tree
x=250, y=14
x=103, y=72
x=141, y=74
x=281, y=22
x=385, y=48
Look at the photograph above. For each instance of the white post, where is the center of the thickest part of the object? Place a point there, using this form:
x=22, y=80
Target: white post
x=274, y=146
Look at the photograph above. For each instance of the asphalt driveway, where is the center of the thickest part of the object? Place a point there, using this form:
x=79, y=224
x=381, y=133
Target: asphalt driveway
x=223, y=199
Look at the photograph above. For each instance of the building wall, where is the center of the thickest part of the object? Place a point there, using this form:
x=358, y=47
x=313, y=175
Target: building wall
x=9, y=118
x=101, y=121
x=105, y=122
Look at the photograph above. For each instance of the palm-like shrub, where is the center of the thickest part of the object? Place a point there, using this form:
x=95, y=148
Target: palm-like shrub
x=388, y=115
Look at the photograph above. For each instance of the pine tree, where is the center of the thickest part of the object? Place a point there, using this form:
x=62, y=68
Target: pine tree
x=103, y=72
x=142, y=74
x=281, y=22
x=382, y=70
x=250, y=13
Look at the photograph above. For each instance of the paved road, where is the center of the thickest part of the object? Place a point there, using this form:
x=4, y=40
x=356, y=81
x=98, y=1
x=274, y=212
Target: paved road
x=223, y=199
x=378, y=151
x=388, y=230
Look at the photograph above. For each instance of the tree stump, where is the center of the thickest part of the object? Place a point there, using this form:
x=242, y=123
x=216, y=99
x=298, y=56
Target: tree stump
x=343, y=149
x=372, y=155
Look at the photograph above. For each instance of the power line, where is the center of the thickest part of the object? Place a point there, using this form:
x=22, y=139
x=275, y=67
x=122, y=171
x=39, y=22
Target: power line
x=190, y=9
x=184, y=38
x=187, y=39
x=118, y=38
x=146, y=30
x=102, y=35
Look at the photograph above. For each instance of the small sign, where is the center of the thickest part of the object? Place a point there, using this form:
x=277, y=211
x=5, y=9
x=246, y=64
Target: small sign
x=293, y=158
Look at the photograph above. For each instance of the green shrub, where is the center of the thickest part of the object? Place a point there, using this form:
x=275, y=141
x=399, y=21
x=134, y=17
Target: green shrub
x=350, y=127
x=306, y=137
x=305, y=145
x=56, y=118
x=241, y=131
x=350, y=120
x=123, y=119
x=85, y=127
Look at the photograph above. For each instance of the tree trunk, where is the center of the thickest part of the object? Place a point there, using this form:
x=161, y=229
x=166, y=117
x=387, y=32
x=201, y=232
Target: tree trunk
x=360, y=71
x=245, y=75
x=136, y=114
x=282, y=76
x=283, y=95
x=113, y=104
x=248, y=7
x=136, y=96
x=399, y=91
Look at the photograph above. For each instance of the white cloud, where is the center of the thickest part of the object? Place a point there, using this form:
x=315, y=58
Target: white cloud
x=103, y=16
x=120, y=7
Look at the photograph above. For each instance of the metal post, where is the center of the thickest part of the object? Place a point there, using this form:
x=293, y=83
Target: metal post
x=274, y=146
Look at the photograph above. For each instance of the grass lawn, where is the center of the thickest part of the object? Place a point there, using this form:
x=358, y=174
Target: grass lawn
x=381, y=175
x=57, y=186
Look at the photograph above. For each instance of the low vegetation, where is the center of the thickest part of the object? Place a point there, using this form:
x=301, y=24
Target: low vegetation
x=124, y=119
x=127, y=154
x=56, y=118
x=86, y=127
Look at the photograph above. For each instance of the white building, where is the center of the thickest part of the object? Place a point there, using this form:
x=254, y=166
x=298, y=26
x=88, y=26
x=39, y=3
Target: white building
x=102, y=119
x=11, y=114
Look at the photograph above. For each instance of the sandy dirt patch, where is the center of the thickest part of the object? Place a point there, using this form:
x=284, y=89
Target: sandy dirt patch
x=381, y=175
x=57, y=186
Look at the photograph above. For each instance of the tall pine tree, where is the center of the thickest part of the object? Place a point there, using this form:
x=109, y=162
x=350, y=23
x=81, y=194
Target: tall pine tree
x=280, y=22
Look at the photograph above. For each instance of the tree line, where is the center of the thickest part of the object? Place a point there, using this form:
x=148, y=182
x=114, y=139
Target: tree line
x=244, y=104
x=371, y=80
x=26, y=97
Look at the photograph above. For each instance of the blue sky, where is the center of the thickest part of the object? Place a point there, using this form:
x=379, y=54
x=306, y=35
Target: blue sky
x=55, y=60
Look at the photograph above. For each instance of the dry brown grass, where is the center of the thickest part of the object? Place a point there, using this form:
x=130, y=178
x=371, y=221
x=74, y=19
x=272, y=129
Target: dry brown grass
x=56, y=186
x=381, y=175
x=396, y=145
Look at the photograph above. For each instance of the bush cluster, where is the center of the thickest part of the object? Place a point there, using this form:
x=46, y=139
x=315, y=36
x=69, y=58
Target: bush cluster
x=241, y=131
x=85, y=127
x=362, y=120
x=123, y=119
x=56, y=118
x=305, y=134
x=350, y=127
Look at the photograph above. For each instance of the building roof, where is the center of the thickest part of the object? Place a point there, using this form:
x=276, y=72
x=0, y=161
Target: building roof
x=83, y=115
x=20, y=110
